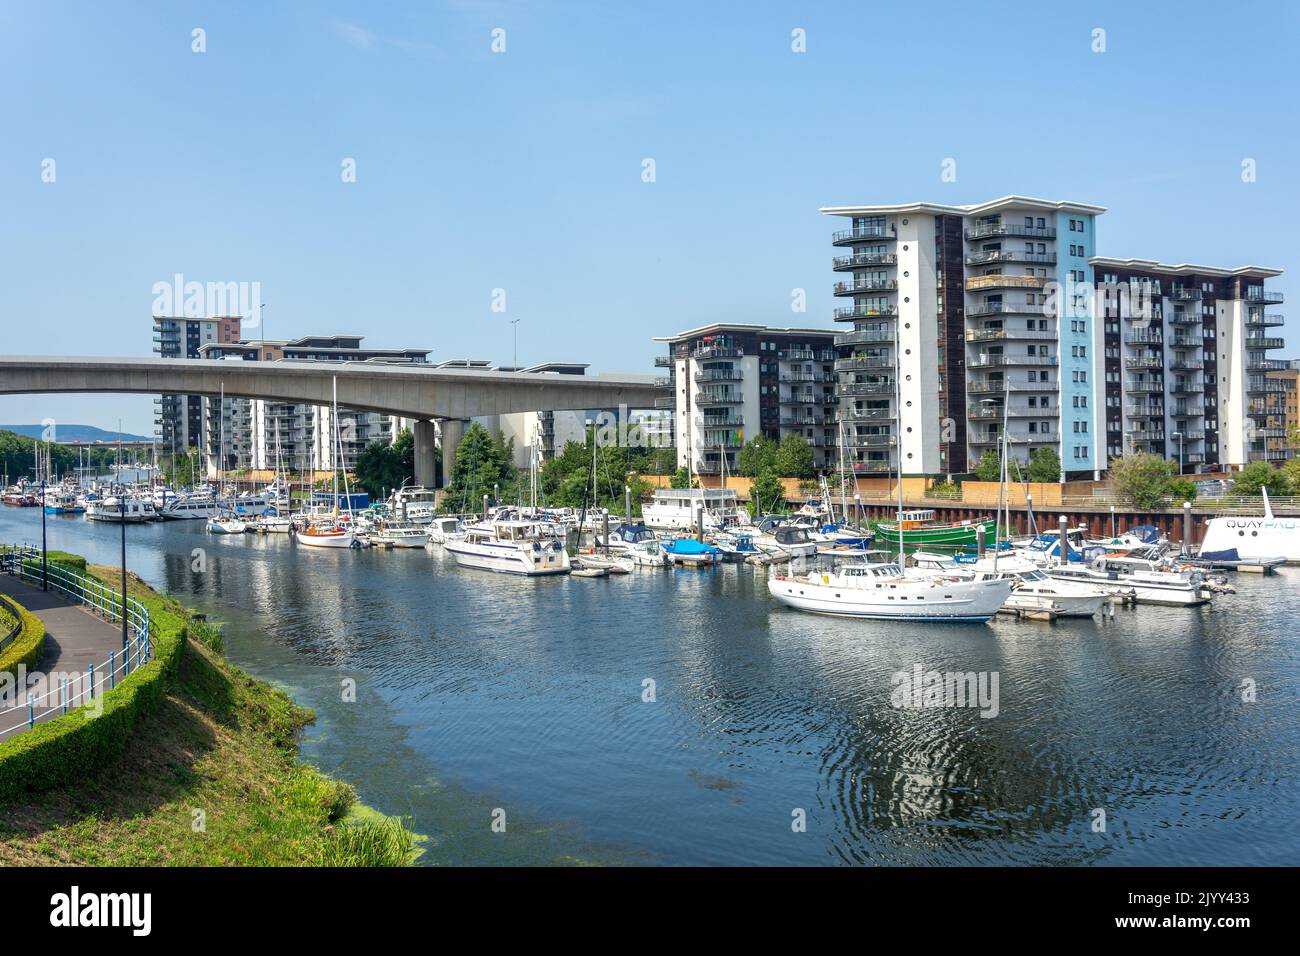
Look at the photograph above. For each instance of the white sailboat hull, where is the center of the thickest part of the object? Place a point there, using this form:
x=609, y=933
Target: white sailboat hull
x=956, y=601
x=326, y=541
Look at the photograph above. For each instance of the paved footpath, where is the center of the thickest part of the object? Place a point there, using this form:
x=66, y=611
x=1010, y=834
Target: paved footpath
x=74, y=639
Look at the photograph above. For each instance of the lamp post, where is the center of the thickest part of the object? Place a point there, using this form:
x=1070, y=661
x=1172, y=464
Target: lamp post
x=1179, y=436
x=514, y=324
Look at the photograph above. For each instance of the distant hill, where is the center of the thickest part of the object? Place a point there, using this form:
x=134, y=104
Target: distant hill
x=72, y=433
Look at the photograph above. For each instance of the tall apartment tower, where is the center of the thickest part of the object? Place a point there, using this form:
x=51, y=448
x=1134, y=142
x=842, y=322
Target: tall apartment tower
x=730, y=383
x=178, y=419
x=961, y=316
x=1186, y=367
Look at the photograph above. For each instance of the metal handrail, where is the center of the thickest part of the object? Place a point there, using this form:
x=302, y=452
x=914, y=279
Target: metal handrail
x=24, y=562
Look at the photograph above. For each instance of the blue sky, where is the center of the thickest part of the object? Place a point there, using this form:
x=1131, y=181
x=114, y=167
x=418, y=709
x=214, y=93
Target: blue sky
x=522, y=170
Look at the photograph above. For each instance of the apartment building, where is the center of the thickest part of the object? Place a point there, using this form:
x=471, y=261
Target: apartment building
x=974, y=321
x=1186, y=367
x=963, y=316
x=257, y=433
x=729, y=383
x=1290, y=395
x=178, y=419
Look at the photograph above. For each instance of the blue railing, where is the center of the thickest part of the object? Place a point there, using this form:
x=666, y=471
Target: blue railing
x=75, y=690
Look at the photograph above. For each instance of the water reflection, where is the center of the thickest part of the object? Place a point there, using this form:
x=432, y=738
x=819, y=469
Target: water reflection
x=480, y=691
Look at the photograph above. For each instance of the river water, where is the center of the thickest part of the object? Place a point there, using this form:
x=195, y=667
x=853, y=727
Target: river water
x=770, y=737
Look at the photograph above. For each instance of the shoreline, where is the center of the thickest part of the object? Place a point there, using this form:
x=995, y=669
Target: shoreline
x=212, y=776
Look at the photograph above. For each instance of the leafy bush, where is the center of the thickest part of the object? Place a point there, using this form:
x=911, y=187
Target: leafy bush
x=27, y=647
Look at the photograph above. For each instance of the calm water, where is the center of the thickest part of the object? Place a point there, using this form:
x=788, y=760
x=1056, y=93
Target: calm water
x=478, y=691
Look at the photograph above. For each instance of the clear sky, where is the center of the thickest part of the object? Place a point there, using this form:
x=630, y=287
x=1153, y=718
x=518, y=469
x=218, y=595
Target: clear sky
x=523, y=170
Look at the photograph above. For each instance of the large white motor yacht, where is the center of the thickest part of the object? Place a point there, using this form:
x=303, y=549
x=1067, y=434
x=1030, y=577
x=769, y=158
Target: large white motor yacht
x=870, y=590
x=510, y=547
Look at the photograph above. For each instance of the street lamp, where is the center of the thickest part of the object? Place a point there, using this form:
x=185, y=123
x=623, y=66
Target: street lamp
x=1179, y=436
x=515, y=328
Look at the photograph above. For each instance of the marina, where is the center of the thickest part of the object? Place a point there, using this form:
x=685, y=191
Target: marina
x=500, y=683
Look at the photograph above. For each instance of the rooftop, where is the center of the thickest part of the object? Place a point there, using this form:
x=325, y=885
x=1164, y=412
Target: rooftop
x=1179, y=269
x=721, y=328
x=976, y=209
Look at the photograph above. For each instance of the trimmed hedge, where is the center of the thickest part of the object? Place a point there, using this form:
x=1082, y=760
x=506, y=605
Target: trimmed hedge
x=28, y=646
x=66, y=748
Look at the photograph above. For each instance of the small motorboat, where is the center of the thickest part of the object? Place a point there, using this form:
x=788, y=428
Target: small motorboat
x=692, y=553
x=589, y=572
x=226, y=524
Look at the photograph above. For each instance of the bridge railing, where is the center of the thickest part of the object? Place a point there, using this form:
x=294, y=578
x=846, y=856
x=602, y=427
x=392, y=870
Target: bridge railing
x=51, y=698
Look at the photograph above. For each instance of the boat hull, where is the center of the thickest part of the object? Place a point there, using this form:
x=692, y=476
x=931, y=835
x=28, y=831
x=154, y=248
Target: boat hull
x=951, y=536
x=504, y=559
x=326, y=540
x=959, y=602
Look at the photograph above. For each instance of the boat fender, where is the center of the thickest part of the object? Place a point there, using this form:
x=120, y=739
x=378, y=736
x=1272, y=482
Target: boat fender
x=826, y=579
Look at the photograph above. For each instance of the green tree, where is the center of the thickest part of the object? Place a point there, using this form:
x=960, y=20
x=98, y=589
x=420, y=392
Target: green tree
x=1044, y=465
x=381, y=467
x=483, y=460
x=766, y=493
x=1260, y=475
x=681, y=478
x=794, y=458
x=989, y=467
x=1178, y=490
x=756, y=456
x=1292, y=471
x=1142, y=479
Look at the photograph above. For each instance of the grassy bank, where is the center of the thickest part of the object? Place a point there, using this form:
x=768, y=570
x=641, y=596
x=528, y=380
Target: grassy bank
x=209, y=777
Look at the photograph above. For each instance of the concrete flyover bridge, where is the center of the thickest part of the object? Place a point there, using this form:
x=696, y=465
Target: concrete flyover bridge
x=449, y=395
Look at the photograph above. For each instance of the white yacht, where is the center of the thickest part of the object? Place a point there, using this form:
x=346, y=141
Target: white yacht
x=443, y=529
x=1117, y=576
x=510, y=547
x=226, y=524
x=198, y=506
x=674, y=509
x=870, y=590
x=398, y=534
x=1259, y=537
x=1032, y=588
x=111, y=509
x=415, y=505
x=639, y=543
x=326, y=534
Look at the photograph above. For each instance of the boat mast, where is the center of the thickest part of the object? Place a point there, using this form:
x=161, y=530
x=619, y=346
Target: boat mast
x=1002, y=474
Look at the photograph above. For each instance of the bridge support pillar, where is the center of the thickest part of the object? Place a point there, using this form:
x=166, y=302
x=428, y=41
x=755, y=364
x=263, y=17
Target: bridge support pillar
x=453, y=429
x=426, y=462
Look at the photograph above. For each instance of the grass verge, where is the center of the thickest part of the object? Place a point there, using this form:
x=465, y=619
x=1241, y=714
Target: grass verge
x=208, y=777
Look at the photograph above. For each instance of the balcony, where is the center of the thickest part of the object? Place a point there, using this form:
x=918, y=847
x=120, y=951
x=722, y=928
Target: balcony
x=706, y=399
x=728, y=421
x=1001, y=281
x=1185, y=318
x=1186, y=388
x=864, y=337
x=994, y=386
x=804, y=400
x=864, y=364
x=801, y=421
x=665, y=403
x=1263, y=320
x=1263, y=342
x=865, y=288
x=863, y=261
x=1143, y=337
x=849, y=389
x=1179, y=342
x=1003, y=308
x=663, y=381
x=1186, y=365
x=846, y=237
x=703, y=352
x=1182, y=293
x=985, y=230
x=1143, y=361
x=716, y=375
x=1005, y=361
x=1006, y=255
x=1266, y=365
x=983, y=412
x=851, y=415
x=869, y=441
x=663, y=361
x=1257, y=296
x=1144, y=385
x=999, y=335
x=855, y=312
x=1144, y=411
x=1258, y=385
x=810, y=378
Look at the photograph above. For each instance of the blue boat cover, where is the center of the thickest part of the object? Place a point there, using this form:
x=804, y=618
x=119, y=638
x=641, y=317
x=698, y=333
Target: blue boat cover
x=689, y=546
x=1228, y=555
x=1146, y=533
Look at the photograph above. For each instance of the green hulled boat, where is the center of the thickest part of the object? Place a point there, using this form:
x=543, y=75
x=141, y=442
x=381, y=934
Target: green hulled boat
x=920, y=530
